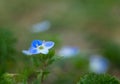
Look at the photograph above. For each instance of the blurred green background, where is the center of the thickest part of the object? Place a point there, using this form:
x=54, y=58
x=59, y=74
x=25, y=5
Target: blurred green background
x=91, y=25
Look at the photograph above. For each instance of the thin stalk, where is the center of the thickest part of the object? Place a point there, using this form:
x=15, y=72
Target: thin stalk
x=42, y=72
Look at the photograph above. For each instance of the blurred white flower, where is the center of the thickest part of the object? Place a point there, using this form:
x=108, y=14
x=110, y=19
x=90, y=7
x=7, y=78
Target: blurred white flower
x=41, y=26
x=98, y=64
x=68, y=51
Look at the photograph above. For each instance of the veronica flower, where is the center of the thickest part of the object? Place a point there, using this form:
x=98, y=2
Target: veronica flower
x=98, y=64
x=38, y=47
x=41, y=26
x=68, y=51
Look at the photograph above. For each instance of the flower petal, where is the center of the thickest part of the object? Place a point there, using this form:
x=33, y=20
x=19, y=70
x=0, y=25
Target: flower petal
x=44, y=51
x=26, y=52
x=34, y=50
x=36, y=43
x=48, y=44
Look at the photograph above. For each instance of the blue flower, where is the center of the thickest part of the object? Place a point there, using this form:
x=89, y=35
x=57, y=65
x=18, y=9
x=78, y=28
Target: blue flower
x=41, y=26
x=68, y=51
x=98, y=64
x=38, y=47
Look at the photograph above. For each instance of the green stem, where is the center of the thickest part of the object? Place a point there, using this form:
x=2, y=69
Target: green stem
x=42, y=76
x=42, y=72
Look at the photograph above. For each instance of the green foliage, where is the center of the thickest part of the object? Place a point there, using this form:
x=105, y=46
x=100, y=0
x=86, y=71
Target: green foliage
x=92, y=78
x=38, y=69
x=26, y=74
x=112, y=51
x=7, y=49
x=40, y=59
x=7, y=79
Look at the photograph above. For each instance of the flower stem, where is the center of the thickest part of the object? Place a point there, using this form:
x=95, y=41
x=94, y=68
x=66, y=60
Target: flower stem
x=42, y=76
x=42, y=72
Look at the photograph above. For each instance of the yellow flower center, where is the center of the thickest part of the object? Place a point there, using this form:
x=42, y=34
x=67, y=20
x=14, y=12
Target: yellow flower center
x=41, y=47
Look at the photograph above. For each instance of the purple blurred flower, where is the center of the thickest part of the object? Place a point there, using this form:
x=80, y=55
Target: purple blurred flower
x=98, y=64
x=68, y=51
x=38, y=47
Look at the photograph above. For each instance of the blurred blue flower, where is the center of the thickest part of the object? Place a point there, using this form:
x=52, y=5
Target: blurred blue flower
x=38, y=47
x=41, y=26
x=98, y=64
x=68, y=51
